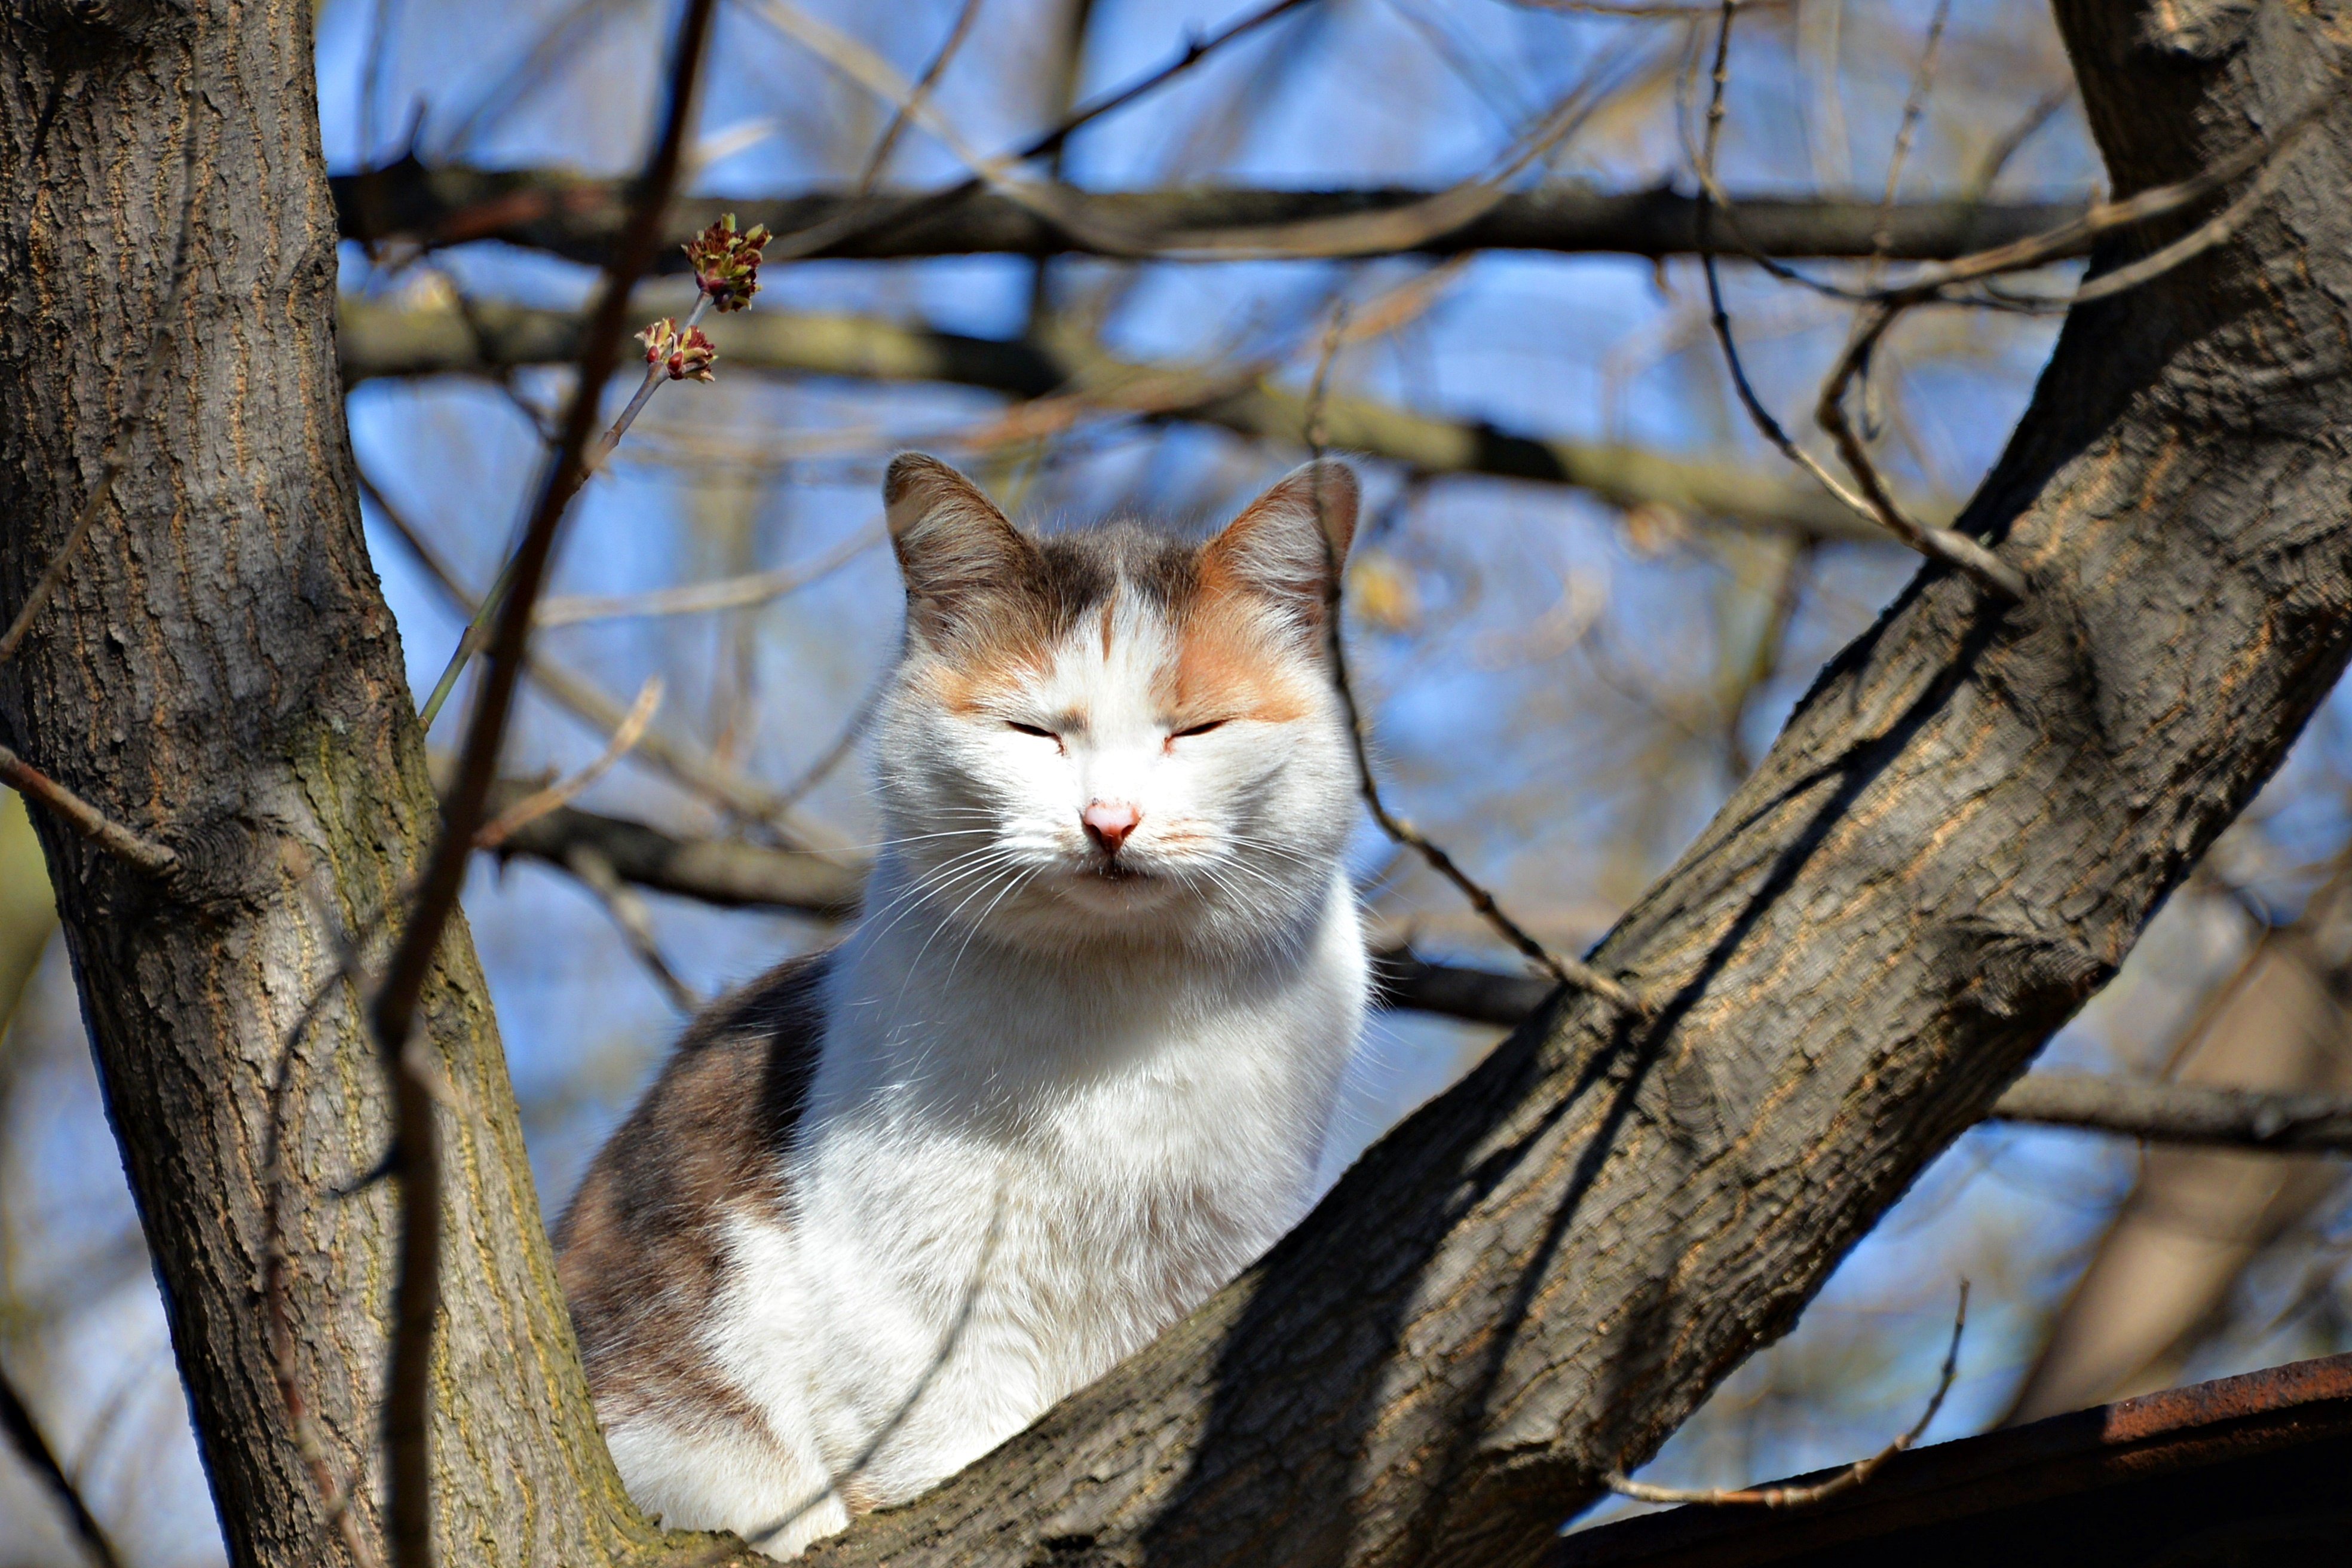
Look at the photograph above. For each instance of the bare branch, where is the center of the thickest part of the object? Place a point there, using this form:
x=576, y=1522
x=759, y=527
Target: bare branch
x=1844, y=1480
x=745, y=592
x=572, y=216
x=1570, y=972
x=143, y=854
x=629, y=913
x=727, y=873
x=539, y=803
x=34, y=1448
x=689, y=765
x=2183, y=1113
x=2157, y=1112
x=881, y=157
x=387, y=340
x=1874, y=503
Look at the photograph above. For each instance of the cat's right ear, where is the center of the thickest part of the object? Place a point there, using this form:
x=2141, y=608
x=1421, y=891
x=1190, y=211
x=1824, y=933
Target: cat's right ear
x=954, y=547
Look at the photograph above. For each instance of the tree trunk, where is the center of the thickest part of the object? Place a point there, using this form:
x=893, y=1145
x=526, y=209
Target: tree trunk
x=1958, y=837
x=218, y=671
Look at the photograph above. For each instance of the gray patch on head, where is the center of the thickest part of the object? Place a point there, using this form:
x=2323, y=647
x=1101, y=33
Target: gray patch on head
x=1081, y=569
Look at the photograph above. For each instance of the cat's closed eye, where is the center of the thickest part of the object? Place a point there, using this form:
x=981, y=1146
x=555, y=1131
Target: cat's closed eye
x=1030, y=729
x=1200, y=729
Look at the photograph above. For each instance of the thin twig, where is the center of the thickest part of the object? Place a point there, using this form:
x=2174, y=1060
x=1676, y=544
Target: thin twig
x=142, y=854
x=745, y=592
x=881, y=157
x=1935, y=284
x=2011, y=142
x=476, y=635
x=1915, y=105
x=42, y=1461
x=596, y=871
x=531, y=807
x=1956, y=550
x=408, y=1382
x=692, y=767
x=1853, y=1475
x=2182, y=1113
x=844, y=744
x=1570, y=972
x=111, y=462
x=1947, y=545
x=2071, y=238
x=856, y=226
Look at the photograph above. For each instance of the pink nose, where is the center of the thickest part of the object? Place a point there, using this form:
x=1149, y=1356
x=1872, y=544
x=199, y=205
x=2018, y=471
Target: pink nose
x=1108, y=822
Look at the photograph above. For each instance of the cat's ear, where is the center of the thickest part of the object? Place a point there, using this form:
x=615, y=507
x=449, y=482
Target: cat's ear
x=954, y=547
x=1289, y=543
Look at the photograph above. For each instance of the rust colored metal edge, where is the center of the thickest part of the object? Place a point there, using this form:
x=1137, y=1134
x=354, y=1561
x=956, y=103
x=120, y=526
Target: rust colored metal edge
x=2178, y=1429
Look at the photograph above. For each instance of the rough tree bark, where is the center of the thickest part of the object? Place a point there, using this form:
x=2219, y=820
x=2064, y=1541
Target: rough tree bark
x=219, y=670
x=1960, y=836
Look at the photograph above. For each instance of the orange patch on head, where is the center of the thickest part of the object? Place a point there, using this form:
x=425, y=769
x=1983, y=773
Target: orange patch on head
x=985, y=671
x=1230, y=663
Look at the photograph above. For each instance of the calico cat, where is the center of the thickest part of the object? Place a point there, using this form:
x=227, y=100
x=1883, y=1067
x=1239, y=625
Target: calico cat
x=1070, y=1073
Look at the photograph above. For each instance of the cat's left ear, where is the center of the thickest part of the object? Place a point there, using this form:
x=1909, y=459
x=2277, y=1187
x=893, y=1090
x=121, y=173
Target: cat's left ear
x=1289, y=543
x=956, y=550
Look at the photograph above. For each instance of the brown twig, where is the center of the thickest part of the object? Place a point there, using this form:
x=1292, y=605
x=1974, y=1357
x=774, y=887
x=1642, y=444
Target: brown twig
x=595, y=872
x=1953, y=548
x=1830, y=411
x=537, y=804
x=408, y=1390
x=859, y=226
x=143, y=854
x=111, y=461
x=924, y=84
x=727, y=873
x=692, y=767
x=34, y=1450
x=1914, y=106
x=745, y=592
x=2011, y=142
x=844, y=744
x=2158, y=201
x=1956, y=550
x=1853, y=1475
x=1570, y=972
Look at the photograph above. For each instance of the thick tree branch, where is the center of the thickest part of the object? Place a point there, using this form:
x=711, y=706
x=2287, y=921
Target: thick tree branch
x=573, y=216
x=2183, y=1113
x=734, y=875
x=379, y=339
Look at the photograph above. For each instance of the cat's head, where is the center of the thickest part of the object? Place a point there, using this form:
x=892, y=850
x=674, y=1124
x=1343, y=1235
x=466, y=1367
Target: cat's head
x=1115, y=734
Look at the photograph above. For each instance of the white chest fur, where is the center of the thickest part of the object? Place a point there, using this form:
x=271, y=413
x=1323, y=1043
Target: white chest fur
x=1004, y=1184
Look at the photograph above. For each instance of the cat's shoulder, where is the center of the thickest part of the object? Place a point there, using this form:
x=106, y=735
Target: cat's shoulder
x=710, y=1134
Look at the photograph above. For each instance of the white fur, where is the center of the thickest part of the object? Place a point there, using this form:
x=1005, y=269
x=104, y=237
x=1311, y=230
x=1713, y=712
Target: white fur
x=1053, y=1112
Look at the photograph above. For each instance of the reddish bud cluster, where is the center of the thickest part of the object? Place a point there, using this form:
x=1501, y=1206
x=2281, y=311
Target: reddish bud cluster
x=726, y=264
x=679, y=354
